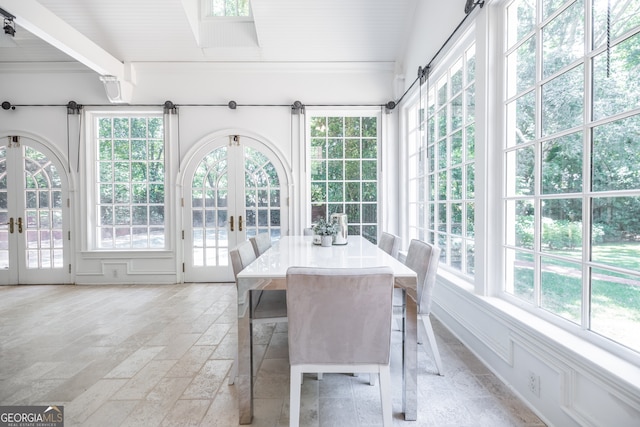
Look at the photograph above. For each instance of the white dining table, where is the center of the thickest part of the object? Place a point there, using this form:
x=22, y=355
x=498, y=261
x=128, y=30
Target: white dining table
x=268, y=272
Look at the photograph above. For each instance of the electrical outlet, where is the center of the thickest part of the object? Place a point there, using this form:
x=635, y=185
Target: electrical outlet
x=533, y=383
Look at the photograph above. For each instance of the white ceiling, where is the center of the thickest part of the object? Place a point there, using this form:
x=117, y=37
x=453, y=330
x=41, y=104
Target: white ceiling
x=282, y=31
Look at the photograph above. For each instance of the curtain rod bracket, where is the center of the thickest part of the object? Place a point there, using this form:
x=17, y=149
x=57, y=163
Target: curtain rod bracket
x=170, y=108
x=423, y=73
x=73, y=108
x=297, y=107
x=471, y=4
x=389, y=106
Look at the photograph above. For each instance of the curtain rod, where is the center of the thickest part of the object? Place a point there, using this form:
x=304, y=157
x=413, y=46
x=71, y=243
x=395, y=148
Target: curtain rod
x=7, y=105
x=423, y=72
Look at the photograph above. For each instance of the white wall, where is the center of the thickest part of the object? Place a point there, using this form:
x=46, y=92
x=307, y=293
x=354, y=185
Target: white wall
x=579, y=383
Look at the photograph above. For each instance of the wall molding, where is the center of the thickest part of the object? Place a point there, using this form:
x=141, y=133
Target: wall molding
x=595, y=387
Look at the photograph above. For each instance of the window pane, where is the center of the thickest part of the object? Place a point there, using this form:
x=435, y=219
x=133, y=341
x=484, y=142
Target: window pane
x=563, y=39
x=521, y=115
x=550, y=6
x=456, y=184
x=521, y=19
x=563, y=101
x=562, y=165
x=520, y=223
x=615, y=306
x=624, y=16
x=615, y=231
x=471, y=64
x=521, y=65
x=470, y=220
x=455, y=253
x=561, y=288
x=520, y=172
x=519, y=269
x=470, y=179
x=616, y=81
x=562, y=227
x=456, y=112
x=470, y=99
x=616, y=155
x=456, y=77
x=456, y=148
x=471, y=257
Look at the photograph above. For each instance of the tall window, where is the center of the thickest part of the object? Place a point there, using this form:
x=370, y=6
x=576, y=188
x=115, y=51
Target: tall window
x=344, y=170
x=130, y=183
x=441, y=163
x=572, y=168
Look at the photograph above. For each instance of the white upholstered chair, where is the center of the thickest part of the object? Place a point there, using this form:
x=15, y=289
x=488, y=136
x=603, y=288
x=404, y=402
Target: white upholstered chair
x=261, y=242
x=339, y=321
x=390, y=243
x=423, y=258
x=267, y=307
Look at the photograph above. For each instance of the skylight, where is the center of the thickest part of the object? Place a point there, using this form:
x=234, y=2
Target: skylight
x=229, y=8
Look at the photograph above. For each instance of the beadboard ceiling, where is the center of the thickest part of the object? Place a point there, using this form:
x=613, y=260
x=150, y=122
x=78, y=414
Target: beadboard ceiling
x=170, y=31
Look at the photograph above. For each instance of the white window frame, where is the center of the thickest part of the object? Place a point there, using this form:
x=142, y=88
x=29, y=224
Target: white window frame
x=411, y=110
x=582, y=328
x=90, y=184
x=306, y=179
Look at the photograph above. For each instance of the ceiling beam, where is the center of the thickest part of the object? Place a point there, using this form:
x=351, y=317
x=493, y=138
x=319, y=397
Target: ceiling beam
x=43, y=23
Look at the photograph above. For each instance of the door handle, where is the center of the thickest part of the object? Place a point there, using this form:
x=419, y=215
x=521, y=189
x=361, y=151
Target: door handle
x=231, y=223
x=10, y=225
x=20, y=225
x=240, y=223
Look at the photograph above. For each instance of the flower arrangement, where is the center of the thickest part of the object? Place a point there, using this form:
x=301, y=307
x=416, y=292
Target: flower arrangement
x=325, y=228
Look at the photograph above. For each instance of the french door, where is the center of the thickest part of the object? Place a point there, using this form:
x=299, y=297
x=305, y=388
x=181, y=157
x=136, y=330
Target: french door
x=233, y=190
x=34, y=239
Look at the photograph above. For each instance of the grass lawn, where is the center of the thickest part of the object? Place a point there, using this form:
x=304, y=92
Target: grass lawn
x=615, y=297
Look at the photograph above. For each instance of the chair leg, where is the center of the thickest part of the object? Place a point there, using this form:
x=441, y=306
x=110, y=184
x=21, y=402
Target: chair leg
x=385, y=396
x=294, y=396
x=428, y=330
x=319, y=376
x=372, y=379
x=234, y=371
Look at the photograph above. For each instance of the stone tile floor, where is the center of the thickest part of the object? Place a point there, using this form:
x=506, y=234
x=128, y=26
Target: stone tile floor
x=148, y=355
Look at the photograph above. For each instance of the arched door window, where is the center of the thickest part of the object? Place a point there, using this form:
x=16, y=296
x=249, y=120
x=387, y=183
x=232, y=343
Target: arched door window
x=33, y=215
x=233, y=191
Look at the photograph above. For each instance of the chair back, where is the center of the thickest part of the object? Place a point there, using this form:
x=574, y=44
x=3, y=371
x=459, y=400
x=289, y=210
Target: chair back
x=307, y=231
x=261, y=242
x=241, y=256
x=390, y=243
x=339, y=316
x=423, y=258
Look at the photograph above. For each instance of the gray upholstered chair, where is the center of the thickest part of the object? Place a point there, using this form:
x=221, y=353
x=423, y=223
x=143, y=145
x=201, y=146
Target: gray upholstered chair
x=423, y=258
x=261, y=242
x=308, y=231
x=339, y=321
x=267, y=307
x=390, y=243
